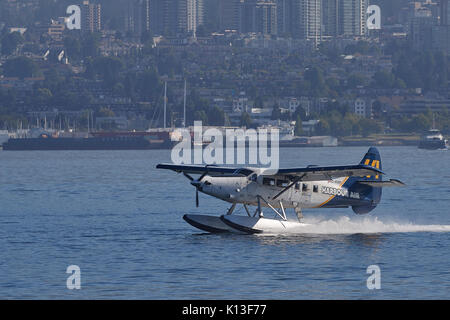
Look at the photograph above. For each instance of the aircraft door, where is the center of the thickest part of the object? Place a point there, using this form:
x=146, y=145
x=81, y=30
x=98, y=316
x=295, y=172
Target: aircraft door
x=252, y=185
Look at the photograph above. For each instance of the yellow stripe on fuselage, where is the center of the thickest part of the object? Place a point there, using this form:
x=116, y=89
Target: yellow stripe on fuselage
x=332, y=197
x=377, y=165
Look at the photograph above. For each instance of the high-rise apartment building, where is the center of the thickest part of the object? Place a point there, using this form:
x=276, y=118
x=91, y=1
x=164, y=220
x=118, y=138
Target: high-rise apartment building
x=444, y=12
x=266, y=17
x=440, y=33
x=229, y=14
x=259, y=16
x=189, y=15
x=172, y=17
x=163, y=17
x=137, y=18
x=310, y=18
x=285, y=15
x=421, y=26
x=330, y=18
x=353, y=17
x=91, y=17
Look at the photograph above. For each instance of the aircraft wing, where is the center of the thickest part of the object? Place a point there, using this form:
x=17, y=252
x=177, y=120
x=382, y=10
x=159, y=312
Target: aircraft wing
x=328, y=173
x=197, y=169
x=301, y=174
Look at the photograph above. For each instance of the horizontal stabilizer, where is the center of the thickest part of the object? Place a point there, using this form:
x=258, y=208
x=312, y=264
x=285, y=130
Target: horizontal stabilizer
x=328, y=173
x=383, y=184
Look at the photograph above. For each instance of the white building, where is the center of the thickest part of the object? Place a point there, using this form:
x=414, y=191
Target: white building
x=362, y=107
x=240, y=104
x=191, y=15
x=291, y=104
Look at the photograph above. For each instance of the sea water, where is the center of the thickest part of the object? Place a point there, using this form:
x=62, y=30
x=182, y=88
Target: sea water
x=117, y=218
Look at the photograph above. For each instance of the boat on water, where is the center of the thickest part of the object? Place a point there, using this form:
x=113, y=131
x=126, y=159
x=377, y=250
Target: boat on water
x=4, y=136
x=433, y=140
x=143, y=140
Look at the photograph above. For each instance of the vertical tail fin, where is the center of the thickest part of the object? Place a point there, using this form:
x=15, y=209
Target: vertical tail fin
x=373, y=194
x=372, y=158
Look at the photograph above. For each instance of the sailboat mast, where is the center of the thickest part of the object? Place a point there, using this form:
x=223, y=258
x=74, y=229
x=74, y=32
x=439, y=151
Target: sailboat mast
x=165, y=103
x=184, y=105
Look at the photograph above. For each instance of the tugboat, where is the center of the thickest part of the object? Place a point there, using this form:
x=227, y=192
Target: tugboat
x=433, y=140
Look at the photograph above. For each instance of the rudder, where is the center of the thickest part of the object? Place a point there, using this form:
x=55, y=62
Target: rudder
x=373, y=159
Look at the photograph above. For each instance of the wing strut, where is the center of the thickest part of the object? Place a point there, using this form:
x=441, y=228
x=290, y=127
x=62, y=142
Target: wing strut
x=297, y=179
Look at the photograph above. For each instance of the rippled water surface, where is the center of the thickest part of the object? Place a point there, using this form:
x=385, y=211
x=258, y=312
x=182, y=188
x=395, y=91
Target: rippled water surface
x=120, y=220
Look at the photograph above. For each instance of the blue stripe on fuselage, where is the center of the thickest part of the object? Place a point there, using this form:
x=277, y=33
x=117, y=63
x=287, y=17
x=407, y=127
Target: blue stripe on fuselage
x=365, y=194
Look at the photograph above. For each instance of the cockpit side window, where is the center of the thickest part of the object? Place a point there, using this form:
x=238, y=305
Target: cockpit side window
x=253, y=177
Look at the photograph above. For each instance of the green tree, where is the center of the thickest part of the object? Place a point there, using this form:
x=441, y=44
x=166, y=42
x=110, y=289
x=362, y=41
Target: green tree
x=21, y=67
x=105, y=112
x=90, y=45
x=246, y=120
x=384, y=79
x=421, y=123
x=148, y=85
x=276, y=113
x=356, y=80
x=200, y=115
x=323, y=127
x=43, y=96
x=314, y=76
x=10, y=42
x=108, y=68
x=369, y=126
x=216, y=116
x=73, y=47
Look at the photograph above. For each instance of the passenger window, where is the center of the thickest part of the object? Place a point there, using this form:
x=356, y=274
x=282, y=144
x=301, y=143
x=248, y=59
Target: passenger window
x=305, y=187
x=297, y=186
x=269, y=181
x=282, y=183
x=315, y=188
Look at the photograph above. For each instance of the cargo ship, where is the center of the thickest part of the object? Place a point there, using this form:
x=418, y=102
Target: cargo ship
x=142, y=140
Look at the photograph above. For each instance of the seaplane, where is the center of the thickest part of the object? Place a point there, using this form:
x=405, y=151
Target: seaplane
x=356, y=186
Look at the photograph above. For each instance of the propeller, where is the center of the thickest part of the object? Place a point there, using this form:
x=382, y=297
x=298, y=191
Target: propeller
x=197, y=184
x=196, y=198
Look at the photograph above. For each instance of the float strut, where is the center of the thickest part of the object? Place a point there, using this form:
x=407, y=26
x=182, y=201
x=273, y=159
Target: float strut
x=230, y=211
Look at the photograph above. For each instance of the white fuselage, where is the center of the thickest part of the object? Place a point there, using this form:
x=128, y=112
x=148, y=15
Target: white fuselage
x=245, y=190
